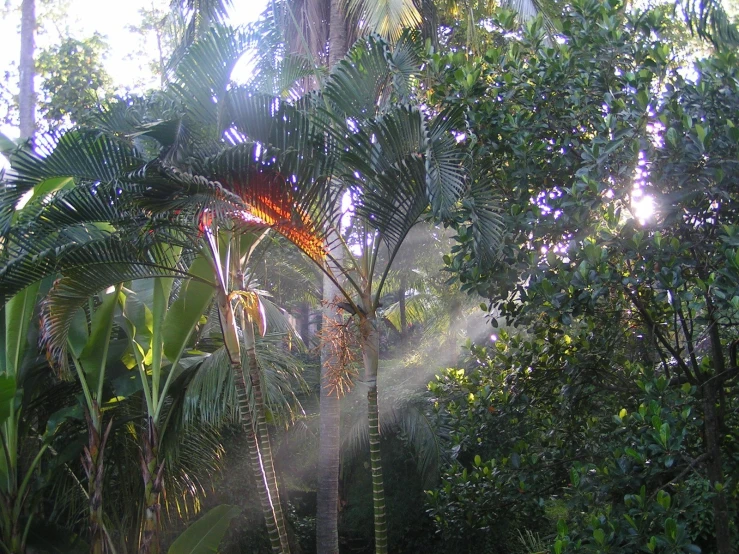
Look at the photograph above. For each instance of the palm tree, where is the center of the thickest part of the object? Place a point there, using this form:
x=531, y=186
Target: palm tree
x=393, y=161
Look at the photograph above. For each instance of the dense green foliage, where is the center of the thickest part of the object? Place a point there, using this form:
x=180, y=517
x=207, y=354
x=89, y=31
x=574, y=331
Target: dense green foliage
x=609, y=404
x=74, y=81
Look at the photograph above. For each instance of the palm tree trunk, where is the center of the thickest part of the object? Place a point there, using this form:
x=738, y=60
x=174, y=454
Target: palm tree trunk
x=265, y=448
x=255, y=458
x=153, y=474
x=27, y=70
x=370, y=342
x=327, y=501
x=93, y=462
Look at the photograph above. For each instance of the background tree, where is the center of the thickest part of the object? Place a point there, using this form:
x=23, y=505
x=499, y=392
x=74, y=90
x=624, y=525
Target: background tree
x=27, y=96
x=74, y=80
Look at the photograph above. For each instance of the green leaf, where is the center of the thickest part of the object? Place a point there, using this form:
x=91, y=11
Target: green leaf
x=204, y=536
x=599, y=536
x=561, y=528
x=18, y=314
x=7, y=395
x=671, y=529
x=186, y=311
x=701, y=132
x=663, y=499
x=93, y=356
x=671, y=136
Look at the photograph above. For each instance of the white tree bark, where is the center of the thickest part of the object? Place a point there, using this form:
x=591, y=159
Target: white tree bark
x=27, y=70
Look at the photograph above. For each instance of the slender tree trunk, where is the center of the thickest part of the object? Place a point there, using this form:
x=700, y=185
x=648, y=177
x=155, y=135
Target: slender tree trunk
x=327, y=509
x=337, y=45
x=26, y=68
x=401, y=307
x=153, y=475
x=712, y=423
x=255, y=458
x=265, y=448
x=93, y=461
x=327, y=498
x=370, y=342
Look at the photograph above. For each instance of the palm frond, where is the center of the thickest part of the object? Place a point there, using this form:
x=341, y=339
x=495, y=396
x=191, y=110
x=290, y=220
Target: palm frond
x=284, y=190
x=211, y=393
x=709, y=20
x=359, y=84
x=203, y=74
x=83, y=155
x=418, y=306
x=387, y=18
x=70, y=293
x=446, y=164
x=481, y=206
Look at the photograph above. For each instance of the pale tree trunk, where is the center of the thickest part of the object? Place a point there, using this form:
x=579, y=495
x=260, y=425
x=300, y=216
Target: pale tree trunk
x=327, y=508
x=27, y=96
x=370, y=343
x=337, y=45
x=329, y=446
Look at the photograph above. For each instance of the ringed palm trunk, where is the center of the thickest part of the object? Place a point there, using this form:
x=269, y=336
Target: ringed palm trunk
x=370, y=343
x=265, y=448
x=261, y=462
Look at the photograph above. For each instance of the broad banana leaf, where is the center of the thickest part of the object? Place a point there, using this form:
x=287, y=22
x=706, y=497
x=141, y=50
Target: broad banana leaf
x=204, y=536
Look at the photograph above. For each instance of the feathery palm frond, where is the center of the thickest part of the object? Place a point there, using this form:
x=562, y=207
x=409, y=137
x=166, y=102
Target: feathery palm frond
x=203, y=75
x=407, y=420
x=709, y=20
x=387, y=18
x=211, y=394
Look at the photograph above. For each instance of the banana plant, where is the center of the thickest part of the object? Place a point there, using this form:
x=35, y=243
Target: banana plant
x=159, y=331
x=15, y=477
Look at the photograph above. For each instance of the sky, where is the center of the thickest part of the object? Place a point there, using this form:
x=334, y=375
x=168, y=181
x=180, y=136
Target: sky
x=108, y=17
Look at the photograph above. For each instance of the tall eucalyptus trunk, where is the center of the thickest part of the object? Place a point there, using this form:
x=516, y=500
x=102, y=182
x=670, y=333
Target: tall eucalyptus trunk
x=329, y=446
x=27, y=70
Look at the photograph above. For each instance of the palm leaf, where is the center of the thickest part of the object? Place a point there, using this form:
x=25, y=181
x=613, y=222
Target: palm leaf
x=211, y=393
x=387, y=18
x=709, y=20
x=72, y=292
